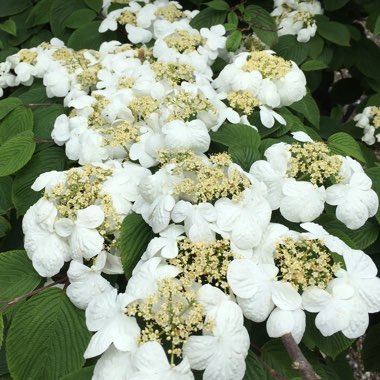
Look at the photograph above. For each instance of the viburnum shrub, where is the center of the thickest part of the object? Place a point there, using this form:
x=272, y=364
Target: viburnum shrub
x=189, y=190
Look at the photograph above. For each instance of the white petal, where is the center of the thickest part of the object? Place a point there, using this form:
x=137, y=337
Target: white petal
x=90, y=217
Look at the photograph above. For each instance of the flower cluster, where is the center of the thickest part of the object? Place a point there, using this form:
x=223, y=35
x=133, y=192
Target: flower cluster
x=369, y=121
x=296, y=17
x=261, y=80
x=303, y=176
x=215, y=257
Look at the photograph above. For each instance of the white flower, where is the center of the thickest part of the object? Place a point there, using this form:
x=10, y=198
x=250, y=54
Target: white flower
x=114, y=364
x=199, y=220
x=105, y=314
x=222, y=351
x=281, y=322
x=302, y=201
x=85, y=241
x=338, y=310
x=268, y=116
x=192, y=135
x=333, y=243
x=143, y=282
x=122, y=186
x=243, y=221
x=258, y=290
x=137, y=34
x=44, y=247
x=355, y=200
x=86, y=282
x=360, y=274
x=151, y=363
x=166, y=245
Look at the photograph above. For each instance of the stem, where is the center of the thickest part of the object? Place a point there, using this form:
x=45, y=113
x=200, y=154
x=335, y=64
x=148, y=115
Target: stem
x=39, y=104
x=32, y=293
x=299, y=361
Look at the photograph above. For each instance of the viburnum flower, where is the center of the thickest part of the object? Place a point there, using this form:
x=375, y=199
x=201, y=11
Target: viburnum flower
x=244, y=221
x=220, y=352
x=114, y=364
x=369, y=121
x=151, y=363
x=199, y=220
x=86, y=282
x=143, y=282
x=105, y=315
x=354, y=198
x=85, y=241
x=47, y=250
x=165, y=245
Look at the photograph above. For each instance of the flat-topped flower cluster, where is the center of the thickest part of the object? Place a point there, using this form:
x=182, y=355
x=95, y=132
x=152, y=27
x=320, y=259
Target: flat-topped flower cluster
x=296, y=17
x=138, y=121
x=369, y=121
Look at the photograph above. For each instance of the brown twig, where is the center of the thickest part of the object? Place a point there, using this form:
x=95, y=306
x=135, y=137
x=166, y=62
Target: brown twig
x=10, y=303
x=299, y=361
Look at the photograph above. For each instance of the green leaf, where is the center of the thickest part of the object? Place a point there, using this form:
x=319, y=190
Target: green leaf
x=376, y=30
x=334, y=32
x=9, y=26
x=361, y=238
x=47, y=337
x=82, y=374
x=289, y=48
x=230, y=27
x=333, y=5
x=313, y=65
x=374, y=174
x=244, y=155
x=44, y=118
x=218, y=5
x=367, y=56
x=274, y=354
x=12, y=7
x=23, y=196
x=1, y=329
x=343, y=143
x=17, y=275
x=208, y=17
x=331, y=346
x=5, y=226
x=308, y=108
x=233, y=41
x=40, y=13
x=5, y=194
x=236, y=134
x=88, y=37
x=79, y=18
x=135, y=236
x=263, y=24
x=254, y=369
x=59, y=12
x=95, y=5
x=315, y=46
x=371, y=349
x=16, y=152
x=7, y=105
x=17, y=121
x=232, y=18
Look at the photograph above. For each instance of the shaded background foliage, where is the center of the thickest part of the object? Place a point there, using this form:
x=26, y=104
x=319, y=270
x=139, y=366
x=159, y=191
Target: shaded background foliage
x=44, y=335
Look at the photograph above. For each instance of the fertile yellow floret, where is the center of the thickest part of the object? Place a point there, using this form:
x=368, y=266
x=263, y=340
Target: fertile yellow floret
x=313, y=161
x=127, y=18
x=243, y=101
x=186, y=106
x=172, y=314
x=305, y=263
x=174, y=73
x=143, y=106
x=269, y=65
x=203, y=262
x=204, y=182
x=375, y=113
x=183, y=41
x=170, y=13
